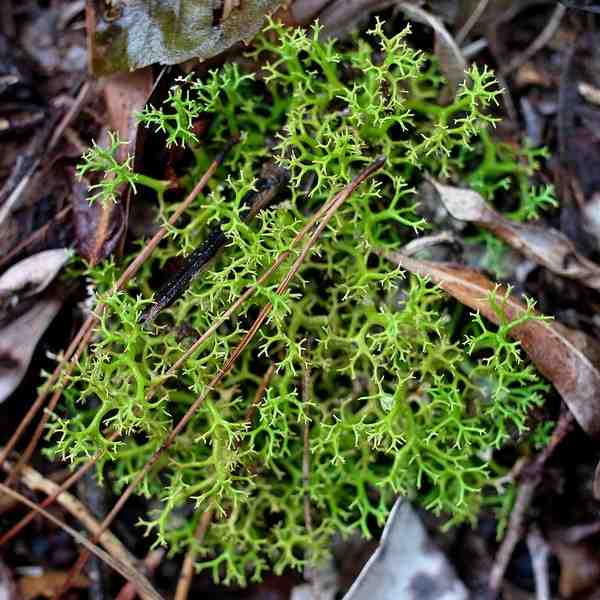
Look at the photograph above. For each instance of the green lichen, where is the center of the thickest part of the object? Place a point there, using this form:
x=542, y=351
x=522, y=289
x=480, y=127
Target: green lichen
x=402, y=391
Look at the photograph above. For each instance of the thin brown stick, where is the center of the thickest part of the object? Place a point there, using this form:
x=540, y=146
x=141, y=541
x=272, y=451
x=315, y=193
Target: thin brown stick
x=37, y=482
x=35, y=236
x=531, y=477
x=146, y=591
x=65, y=485
x=187, y=571
x=308, y=522
x=260, y=394
x=306, y=450
x=70, y=115
x=83, y=336
x=334, y=204
x=151, y=562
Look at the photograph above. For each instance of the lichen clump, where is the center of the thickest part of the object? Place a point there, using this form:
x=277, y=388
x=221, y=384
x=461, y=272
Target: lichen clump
x=402, y=391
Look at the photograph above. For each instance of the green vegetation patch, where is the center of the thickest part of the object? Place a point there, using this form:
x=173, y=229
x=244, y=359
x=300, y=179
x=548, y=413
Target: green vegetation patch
x=402, y=391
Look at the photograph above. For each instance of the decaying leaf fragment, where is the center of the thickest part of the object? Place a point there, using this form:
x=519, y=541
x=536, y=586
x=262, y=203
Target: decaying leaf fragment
x=129, y=34
x=545, y=246
x=407, y=565
x=554, y=349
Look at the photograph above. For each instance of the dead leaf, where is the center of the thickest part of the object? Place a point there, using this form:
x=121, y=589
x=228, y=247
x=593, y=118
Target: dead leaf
x=125, y=95
x=551, y=346
x=545, y=246
x=47, y=584
x=33, y=274
x=18, y=340
x=407, y=565
x=124, y=35
x=98, y=226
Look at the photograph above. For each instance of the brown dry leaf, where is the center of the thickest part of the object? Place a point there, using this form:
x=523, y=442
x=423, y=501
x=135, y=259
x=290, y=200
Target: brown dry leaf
x=552, y=347
x=545, y=246
x=98, y=226
x=47, y=584
x=124, y=35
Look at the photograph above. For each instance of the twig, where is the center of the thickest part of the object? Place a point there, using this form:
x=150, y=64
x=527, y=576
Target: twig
x=187, y=571
x=37, y=482
x=83, y=336
x=70, y=115
x=151, y=562
x=333, y=205
x=531, y=477
x=539, y=552
x=461, y=36
x=253, y=202
x=308, y=522
x=260, y=394
x=54, y=494
x=542, y=39
x=147, y=592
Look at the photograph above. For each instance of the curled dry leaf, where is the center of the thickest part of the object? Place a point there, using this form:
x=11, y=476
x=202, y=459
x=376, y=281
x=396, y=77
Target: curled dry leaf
x=545, y=246
x=553, y=348
x=98, y=226
x=124, y=35
x=32, y=275
x=18, y=340
x=406, y=565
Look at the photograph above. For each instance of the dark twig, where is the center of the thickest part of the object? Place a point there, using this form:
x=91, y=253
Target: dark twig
x=531, y=475
x=461, y=36
x=331, y=207
x=267, y=189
